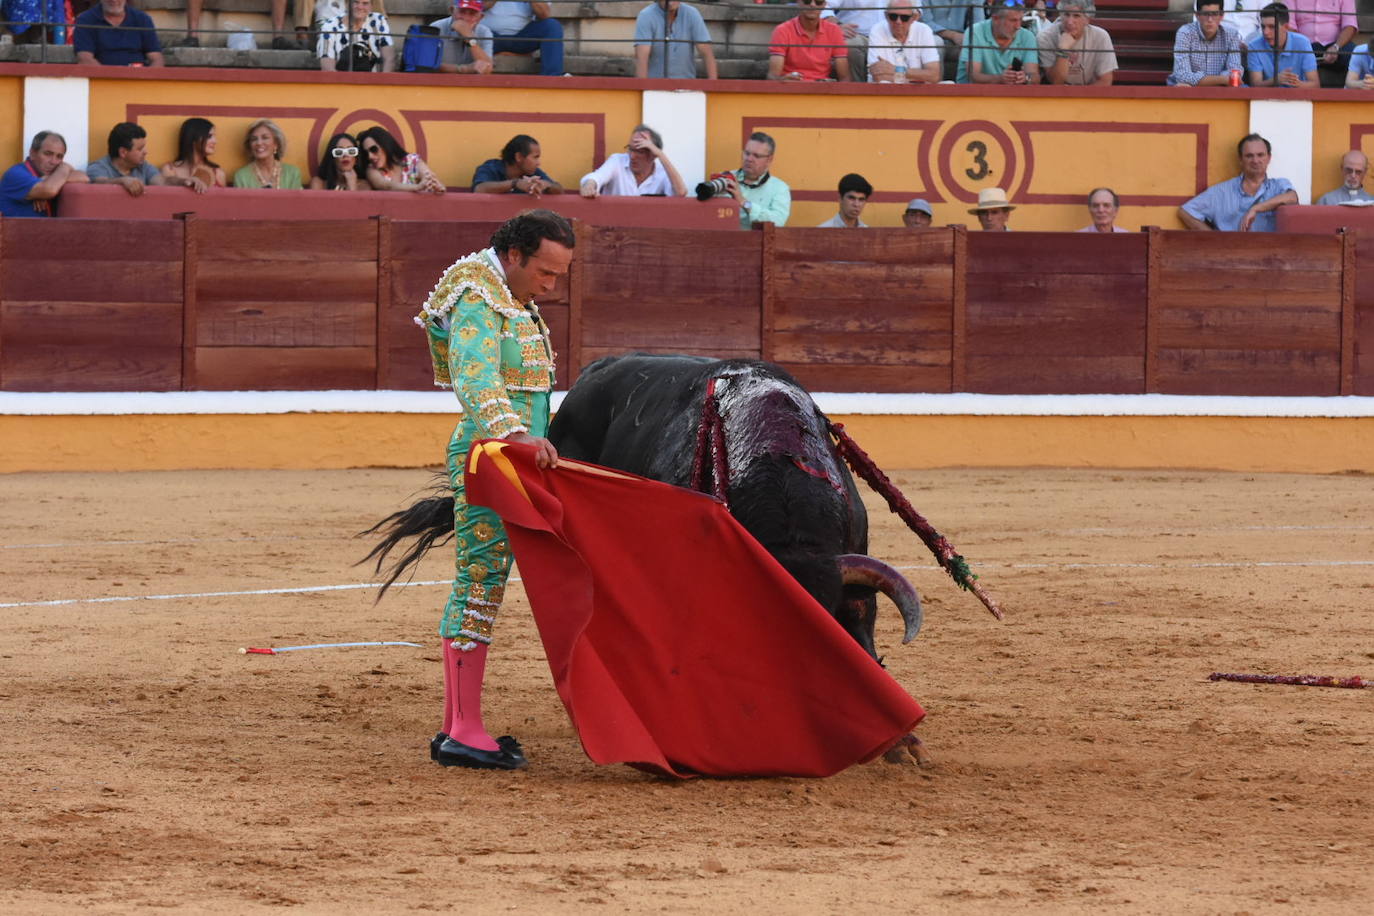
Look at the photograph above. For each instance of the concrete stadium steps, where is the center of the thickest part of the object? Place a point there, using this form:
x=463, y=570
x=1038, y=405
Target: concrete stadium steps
x=1143, y=33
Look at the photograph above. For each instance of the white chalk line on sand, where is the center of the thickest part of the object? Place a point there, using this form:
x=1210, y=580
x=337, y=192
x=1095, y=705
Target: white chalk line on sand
x=307, y=589
x=1125, y=532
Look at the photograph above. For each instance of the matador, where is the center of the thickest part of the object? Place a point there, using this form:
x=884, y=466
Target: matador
x=490, y=345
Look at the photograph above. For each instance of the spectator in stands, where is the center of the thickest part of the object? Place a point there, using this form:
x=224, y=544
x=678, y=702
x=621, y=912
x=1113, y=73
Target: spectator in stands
x=115, y=34
x=900, y=38
x=1103, y=206
x=762, y=197
x=391, y=168
x=1361, y=73
x=949, y=20
x=20, y=16
x=998, y=50
x=1243, y=18
x=338, y=169
x=682, y=28
x=524, y=28
x=364, y=43
x=993, y=210
x=193, y=168
x=642, y=170
x=1297, y=65
x=1205, y=51
x=279, y=40
x=1073, y=51
x=918, y=214
x=516, y=172
x=1331, y=27
x=854, y=194
x=467, y=41
x=803, y=47
x=266, y=144
x=127, y=162
x=1246, y=202
x=857, y=19
x=1354, y=168
x=28, y=189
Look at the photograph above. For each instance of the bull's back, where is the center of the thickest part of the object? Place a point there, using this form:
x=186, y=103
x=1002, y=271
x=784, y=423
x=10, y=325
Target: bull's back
x=638, y=413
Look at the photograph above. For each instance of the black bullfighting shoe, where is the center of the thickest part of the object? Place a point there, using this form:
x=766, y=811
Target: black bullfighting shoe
x=456, y=754
x=434, y=743
x=512, y=747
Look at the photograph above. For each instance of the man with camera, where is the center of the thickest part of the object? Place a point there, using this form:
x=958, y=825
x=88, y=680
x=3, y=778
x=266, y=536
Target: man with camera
x=361, y=41
x=762, y=197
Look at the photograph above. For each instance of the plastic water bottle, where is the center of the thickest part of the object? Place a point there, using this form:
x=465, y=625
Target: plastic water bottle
x=899, y=72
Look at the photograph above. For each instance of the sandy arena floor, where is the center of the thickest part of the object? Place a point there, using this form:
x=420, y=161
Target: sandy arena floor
x=1084, y=762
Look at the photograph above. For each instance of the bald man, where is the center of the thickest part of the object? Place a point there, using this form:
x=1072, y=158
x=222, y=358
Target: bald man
x=1354, y=168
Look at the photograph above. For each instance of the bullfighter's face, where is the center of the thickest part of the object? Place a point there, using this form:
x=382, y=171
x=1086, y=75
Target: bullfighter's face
x=536, y=275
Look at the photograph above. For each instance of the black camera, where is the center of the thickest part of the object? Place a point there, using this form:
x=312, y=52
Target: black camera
x=717, y=186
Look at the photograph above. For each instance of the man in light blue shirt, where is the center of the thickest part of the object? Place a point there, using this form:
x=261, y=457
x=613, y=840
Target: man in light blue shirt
x=524, y=28
x=1361, y=73
x=683, y=28
x=467, y=42
x=1246, y=203
x=1296, y=62
x=762, y=197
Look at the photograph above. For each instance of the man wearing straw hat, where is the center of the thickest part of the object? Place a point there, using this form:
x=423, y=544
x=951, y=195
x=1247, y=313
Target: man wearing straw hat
x=993, y=210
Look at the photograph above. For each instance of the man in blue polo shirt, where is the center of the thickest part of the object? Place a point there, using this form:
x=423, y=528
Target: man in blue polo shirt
x=1296, y=63
x=116, y=34
x=28, y=189
x=1245, y=203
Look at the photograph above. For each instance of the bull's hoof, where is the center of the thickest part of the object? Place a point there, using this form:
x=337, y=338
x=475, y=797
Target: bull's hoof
x=909, y=745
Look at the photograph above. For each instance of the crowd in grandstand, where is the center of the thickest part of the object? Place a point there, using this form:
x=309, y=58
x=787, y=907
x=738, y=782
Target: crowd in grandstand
x=375, y=160
x=1008, y=42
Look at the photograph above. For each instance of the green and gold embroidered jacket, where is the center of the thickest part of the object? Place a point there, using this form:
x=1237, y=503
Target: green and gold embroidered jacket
x=484, y=344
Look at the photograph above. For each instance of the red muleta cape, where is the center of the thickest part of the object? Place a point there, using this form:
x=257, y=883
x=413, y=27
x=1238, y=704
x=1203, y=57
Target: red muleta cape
x=676, y=642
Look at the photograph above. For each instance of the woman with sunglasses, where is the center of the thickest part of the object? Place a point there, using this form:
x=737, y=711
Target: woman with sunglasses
x=391, y=168
x=266, y=144
x=193, y=168
x=338, y=169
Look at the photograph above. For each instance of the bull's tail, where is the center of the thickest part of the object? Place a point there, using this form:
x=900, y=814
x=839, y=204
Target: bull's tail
x=429, y=522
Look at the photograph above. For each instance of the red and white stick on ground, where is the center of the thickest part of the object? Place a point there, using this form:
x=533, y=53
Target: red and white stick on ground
x=1297, y=680
x=324, y=645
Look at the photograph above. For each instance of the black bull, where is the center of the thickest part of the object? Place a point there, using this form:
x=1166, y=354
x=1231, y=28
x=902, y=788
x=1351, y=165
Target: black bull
x=786, y=485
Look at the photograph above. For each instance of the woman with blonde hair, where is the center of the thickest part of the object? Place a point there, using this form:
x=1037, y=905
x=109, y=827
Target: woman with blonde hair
x=266, y=144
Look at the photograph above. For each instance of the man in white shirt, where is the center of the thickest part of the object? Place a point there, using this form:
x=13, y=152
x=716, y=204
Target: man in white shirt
x=856, y=18
x=900, y=39
x=643, y=170
x=1243, y=18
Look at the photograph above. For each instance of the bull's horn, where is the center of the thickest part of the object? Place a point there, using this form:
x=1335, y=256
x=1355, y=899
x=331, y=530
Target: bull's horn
x=861, y=569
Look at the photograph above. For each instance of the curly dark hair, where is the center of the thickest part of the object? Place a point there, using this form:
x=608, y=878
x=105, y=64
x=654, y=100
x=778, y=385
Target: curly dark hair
x=392, y=150
x=525, y=232
x=329, y=166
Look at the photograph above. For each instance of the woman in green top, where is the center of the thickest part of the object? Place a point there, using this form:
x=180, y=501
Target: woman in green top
x=266, y=143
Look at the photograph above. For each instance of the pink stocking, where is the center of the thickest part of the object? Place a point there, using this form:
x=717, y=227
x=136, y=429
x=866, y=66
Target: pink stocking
x=463, y=695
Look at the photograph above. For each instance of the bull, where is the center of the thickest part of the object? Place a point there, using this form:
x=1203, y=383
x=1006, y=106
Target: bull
x=777, y=470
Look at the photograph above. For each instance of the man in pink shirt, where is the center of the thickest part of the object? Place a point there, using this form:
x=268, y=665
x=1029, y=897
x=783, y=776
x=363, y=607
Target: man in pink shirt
x=803, y=48
x=1331, y=26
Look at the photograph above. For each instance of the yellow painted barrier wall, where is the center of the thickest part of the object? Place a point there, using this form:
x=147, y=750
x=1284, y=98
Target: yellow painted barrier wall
x=346, y=440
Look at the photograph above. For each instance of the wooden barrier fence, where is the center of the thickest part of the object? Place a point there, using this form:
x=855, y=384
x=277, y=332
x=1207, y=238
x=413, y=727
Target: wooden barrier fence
x=155, y=305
